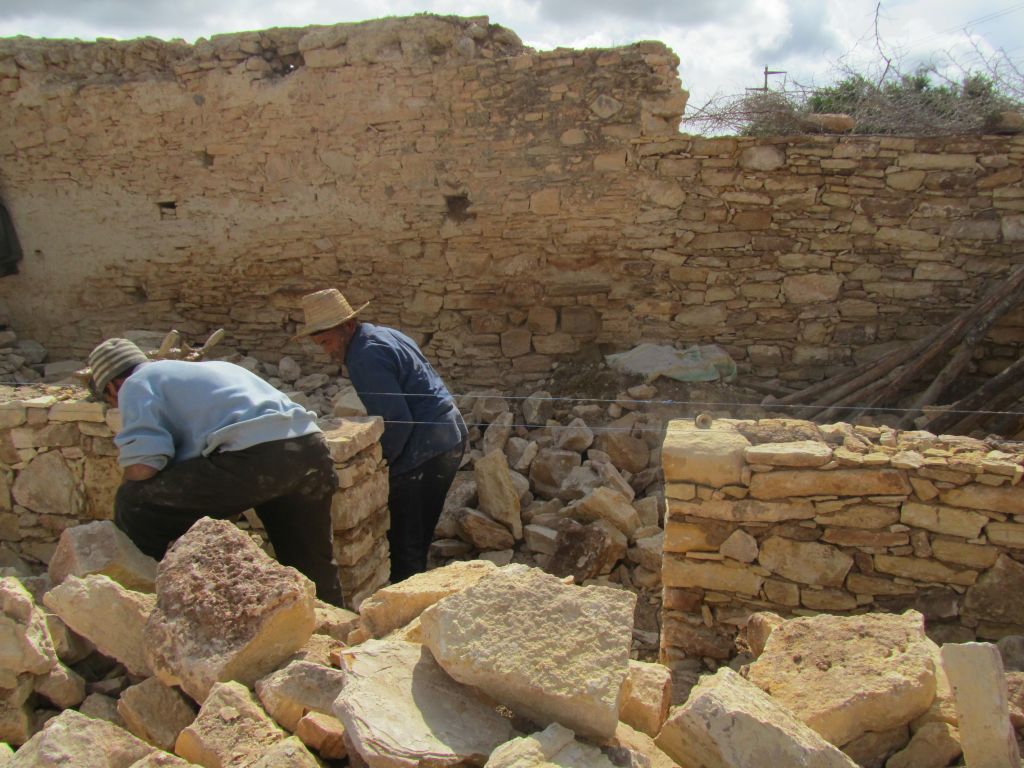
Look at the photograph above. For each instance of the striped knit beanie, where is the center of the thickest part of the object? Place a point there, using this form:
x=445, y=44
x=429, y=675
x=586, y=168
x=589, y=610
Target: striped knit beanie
x=111, y=358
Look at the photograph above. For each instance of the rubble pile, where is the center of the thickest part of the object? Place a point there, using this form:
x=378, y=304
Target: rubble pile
x=220, y=657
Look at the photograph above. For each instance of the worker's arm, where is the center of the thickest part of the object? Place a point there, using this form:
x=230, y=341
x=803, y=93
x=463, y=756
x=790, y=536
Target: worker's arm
x=139, y=472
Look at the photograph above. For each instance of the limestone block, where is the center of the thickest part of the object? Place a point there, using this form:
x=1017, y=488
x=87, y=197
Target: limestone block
x=290, y=692
x=962, y=523
x=873, y=747
x=700, y=537
x=155, y=713
x=78, y=410
x=352, y=506
x=642, y=747
x=25, y=642
x=606, y=504
x=225, y=610
x=647, y=552
x=346, y=437
x=109, y=616
x=522, y=619
x=158, y=759
x=17, y=718
x=47, y=486
x=6, y=755
x=72, y=738
x=970, y=555
x=540, y=538
x=758, y=629
x=1008, y=500
x=549, y=469
x=63, y=686
x=287, y=753
x=401, y=710
x=625, y=451
x=728, y=722
x=610, y=476
x=1006, y=534
x=498, y=496
x=583, y=551
x=353, y=545
x=230, y=730
x=705, y=456
x=681, y=572
x=576, y=436
x=497, y=434
x=324, y=734
x=934, y=745
x=975, y=672
x=396, y=605
x=806, y=562
x=554, y=746
x=998, y=595
x=538, y=407
x=744, y=510
x=846, y=675
x=740, y=546
x=800, y=453
x=101, y=706
x=101, y=547
x=483, y=532
x=580, y=481
x=922, y=569
x=646, y=696
x=334, y=621
x=836, y=482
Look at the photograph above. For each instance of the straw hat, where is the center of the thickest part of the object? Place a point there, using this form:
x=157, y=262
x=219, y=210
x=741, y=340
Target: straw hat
x=326, y=309
x=113, y=357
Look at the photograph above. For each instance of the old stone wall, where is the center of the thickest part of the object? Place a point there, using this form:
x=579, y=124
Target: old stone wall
x=58, y=469
x=786, y=516
x=506, y=207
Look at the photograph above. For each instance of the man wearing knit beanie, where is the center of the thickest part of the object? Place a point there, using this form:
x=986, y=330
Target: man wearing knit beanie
x=211, y=439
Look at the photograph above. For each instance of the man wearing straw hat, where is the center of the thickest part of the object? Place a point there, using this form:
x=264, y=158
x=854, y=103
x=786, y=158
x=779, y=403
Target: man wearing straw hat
x=424, y=433
x=211, y=439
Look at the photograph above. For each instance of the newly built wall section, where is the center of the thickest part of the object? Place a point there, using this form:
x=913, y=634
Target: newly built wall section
x=795, y=518
x=506, y=207
x=58, y=469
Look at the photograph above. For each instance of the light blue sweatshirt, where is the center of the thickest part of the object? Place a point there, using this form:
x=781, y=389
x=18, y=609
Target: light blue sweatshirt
x=172, y=410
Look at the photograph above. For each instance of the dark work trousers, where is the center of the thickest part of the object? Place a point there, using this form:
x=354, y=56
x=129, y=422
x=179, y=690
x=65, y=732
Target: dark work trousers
x=416, y=499
x=289, y=484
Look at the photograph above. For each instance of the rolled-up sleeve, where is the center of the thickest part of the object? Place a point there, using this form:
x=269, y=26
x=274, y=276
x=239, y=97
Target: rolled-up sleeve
x=143, y=439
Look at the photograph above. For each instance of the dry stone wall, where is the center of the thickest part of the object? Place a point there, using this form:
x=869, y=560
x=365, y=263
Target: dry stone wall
x=506, y=207
x=58, y=469
x=789, y=517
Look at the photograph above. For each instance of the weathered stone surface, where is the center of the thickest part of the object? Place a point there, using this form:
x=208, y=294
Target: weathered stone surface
x=401, y=710
x=348, y=436
x=101, y=548
x=111, y=617
x=103, y=707
x=933, y=745
x=805, y=561
x=998, y=595
x=498, y=496
x=740, y=546
x=728, y=722
x=1006, y=534
x=290, y=692
x=975, y=672
x=74, y=739
x=287, y=753
x=606, y=504
x=860, y=516
x=705, y=456
x=846, y=675
x=64, y=687
x=352, y=506
x=230, y=730
x=522, y=619
x=225, y=610
x=17, y=716
x=483, y=532
x=940, y=519
x=837, y=482
x=155, y=713
x=758, y=629
x=580, y=551
x=575, y=436
x=549, y=469
x=396, y=605
x=646, y=696
x=680, y=572
x=799, y=453
x=641, y=744
x=744, y=510
x=25, y=642
x=1008, y=500
x=554, y=746
x=627, y=452
x=324, y=734
x=873, y=748
x=47, y=486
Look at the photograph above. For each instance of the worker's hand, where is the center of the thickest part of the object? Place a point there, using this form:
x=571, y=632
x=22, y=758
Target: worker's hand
x=139, y=472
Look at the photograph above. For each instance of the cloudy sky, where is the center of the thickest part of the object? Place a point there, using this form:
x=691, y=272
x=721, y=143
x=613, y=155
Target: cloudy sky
x=723, y=45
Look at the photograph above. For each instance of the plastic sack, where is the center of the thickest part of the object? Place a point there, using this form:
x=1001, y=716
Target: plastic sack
x=703, y=362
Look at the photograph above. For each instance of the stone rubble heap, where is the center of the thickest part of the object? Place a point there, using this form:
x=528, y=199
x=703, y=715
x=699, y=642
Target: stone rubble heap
x=220, y=657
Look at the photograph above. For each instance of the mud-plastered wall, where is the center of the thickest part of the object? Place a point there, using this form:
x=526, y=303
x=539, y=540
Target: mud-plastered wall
x=506, y=207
